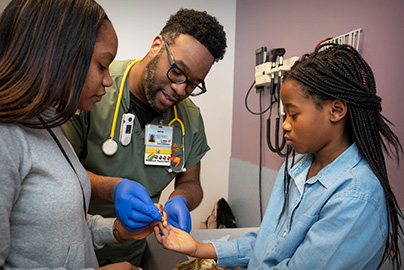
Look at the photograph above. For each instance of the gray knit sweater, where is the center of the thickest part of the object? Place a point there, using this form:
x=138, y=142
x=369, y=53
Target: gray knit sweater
x=42, y=218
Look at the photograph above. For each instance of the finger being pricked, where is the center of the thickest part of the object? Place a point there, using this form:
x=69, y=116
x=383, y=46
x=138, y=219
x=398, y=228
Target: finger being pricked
x=164, y=220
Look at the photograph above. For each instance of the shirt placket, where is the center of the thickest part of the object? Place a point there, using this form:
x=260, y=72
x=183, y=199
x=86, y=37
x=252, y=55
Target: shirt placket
x=296, y=194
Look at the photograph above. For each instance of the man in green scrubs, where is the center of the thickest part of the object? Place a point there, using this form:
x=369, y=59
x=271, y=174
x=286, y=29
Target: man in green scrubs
x=155, y=91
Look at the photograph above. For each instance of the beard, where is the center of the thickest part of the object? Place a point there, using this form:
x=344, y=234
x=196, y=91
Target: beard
x=149, y=83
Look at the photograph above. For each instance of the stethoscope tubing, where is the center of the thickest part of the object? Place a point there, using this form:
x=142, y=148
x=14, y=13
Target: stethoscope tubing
x=182, y=169
x=118, y=102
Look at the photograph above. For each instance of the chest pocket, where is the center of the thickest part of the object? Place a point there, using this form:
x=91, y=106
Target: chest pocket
x=291, y=239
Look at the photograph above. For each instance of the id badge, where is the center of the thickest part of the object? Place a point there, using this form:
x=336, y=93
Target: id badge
x=158, y=145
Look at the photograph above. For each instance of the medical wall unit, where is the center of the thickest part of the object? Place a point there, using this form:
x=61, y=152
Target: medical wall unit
x=269, y=74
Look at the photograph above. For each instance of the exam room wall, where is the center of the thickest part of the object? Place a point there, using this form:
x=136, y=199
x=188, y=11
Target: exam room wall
x=137, y=22
x=298, y=26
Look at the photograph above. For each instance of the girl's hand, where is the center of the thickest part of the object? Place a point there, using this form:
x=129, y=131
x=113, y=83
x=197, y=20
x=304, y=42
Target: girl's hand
x=175, y=239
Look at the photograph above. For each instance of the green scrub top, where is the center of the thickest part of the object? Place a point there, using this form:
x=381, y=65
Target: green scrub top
x=88, y=132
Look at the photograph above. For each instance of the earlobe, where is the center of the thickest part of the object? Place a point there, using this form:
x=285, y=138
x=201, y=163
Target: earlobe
x=338, y=110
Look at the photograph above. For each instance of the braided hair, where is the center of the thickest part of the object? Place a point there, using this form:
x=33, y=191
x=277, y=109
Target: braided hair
x=335, y=71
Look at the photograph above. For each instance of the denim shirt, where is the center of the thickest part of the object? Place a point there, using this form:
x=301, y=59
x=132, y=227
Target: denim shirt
x=334, y=220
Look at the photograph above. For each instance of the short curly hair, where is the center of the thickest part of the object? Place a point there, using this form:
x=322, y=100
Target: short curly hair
x=200, y=25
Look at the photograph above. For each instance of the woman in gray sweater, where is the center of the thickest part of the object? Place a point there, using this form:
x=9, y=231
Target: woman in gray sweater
x=54, y=58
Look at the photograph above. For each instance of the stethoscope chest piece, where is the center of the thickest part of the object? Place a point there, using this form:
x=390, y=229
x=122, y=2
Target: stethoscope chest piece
x=109, y=147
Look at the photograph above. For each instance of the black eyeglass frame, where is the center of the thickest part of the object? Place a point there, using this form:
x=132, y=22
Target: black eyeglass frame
x=187, y=81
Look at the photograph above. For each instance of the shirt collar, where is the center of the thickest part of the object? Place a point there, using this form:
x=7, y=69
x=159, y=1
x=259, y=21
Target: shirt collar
x=348, y=159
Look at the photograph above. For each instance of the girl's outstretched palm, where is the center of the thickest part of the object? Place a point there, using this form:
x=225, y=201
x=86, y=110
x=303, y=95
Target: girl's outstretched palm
x=175, y=239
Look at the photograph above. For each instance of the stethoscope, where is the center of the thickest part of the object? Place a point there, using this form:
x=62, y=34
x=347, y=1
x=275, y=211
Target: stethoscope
x=110, y=146
x=182, y=168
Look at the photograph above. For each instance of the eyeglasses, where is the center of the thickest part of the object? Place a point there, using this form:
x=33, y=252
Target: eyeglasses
x=177, y=76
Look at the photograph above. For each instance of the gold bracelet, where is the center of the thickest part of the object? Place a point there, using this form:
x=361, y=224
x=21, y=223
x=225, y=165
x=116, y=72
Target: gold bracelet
x=116, y=231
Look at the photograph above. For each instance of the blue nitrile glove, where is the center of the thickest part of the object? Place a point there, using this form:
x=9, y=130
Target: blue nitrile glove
x=178, y=213
x=133, y=205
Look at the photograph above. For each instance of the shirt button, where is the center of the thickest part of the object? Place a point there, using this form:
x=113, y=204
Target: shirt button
x=284, y=234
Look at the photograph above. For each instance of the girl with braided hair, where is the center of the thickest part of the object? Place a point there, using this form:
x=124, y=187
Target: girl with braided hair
x=342, y=86
x=331, y=206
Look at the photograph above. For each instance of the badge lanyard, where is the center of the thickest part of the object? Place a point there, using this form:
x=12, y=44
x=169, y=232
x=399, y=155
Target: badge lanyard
x=68, y=160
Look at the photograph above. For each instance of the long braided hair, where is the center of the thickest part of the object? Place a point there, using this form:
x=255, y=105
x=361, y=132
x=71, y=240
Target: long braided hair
x=335, y=71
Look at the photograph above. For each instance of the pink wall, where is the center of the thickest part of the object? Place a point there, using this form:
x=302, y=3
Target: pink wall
x=298, y=26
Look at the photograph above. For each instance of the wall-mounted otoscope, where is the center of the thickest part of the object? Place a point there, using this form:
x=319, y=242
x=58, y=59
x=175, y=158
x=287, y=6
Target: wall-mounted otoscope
x=279, y=144
x=274, y=54
x=270, y=74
